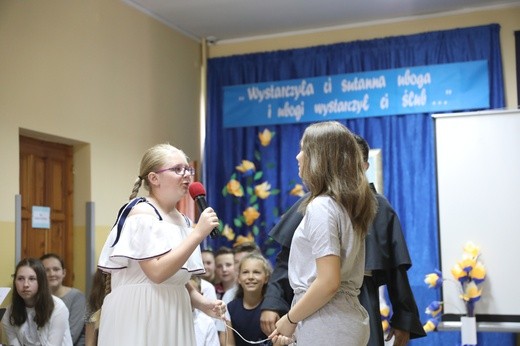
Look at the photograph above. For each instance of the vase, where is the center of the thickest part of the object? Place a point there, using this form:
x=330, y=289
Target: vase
x=468, y=330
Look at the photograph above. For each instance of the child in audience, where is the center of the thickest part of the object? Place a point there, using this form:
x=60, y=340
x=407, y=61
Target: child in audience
x=73, y=298
x=35, y=316
x=226, y=288
x=208, y=259
x=225, y=270
x=100, y=288
x=242, y=250
x=207, y=283
x=244, y=311
x=205, y=330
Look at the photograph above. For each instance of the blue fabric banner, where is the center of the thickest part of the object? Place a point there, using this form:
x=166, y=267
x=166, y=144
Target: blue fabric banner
x=407, y=144
x=423, y=89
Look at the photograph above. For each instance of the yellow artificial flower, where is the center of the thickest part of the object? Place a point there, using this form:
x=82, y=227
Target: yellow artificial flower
x=472, y=292
x=265, y=137
x=431, y=325
x=228, y=233
x=478, y=273
x=433, y=280
x=263, y=190
x=251, y=214
x=384, y=311
x=297, y=190
x=458, y=273
x=246, y=166
x=472, y=249
x=241, y=239
x=468, y=262
x=235, y=188
x=434, y=308
x=386, y=326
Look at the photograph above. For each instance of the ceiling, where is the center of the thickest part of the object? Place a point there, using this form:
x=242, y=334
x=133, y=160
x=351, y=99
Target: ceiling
x=221, y=20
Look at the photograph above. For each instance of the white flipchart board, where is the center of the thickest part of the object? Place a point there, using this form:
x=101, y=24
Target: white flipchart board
x=478, y=184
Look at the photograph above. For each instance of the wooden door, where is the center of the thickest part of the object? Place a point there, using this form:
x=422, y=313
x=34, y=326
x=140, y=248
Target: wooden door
x=46, y=180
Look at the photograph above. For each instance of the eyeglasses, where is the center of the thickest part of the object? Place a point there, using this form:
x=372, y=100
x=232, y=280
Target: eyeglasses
x=180, y=170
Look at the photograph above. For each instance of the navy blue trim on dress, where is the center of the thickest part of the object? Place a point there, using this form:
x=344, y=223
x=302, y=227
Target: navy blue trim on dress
x=123, y=214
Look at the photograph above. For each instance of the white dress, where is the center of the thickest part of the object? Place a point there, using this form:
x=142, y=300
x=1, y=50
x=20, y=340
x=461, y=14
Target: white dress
x=138, y=311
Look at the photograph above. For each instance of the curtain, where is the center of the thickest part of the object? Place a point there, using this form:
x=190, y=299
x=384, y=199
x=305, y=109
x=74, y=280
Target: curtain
x=407, y=143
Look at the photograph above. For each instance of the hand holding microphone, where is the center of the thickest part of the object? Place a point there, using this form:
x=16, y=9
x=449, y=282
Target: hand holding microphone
x=198, y=193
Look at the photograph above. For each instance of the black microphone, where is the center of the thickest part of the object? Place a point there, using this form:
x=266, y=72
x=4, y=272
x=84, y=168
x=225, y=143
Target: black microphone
x=198, y=193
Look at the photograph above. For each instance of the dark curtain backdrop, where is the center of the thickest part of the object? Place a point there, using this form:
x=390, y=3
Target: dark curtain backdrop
x=407, y=143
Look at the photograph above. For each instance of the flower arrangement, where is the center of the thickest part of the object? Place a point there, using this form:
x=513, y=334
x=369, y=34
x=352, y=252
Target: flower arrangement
x=247, y=187
x=469, y=272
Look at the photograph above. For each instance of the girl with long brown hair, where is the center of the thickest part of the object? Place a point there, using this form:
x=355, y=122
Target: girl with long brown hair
x=327, y=258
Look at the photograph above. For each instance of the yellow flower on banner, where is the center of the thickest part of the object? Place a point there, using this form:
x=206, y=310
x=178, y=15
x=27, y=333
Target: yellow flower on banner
x=246, y=166
x=265, y=137
x=235, y=188
x=297, y=190
x=250, y=215
x=241, y=239
x=228, y=233
x=263, y=190
x=471, y=249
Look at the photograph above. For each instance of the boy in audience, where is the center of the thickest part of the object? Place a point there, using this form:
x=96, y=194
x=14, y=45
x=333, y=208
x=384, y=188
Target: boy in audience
x=243, y=249
x=208, y=259
x=225, y=270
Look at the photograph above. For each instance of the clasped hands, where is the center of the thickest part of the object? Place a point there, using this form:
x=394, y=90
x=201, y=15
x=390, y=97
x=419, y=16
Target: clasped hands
x=217, y=309
x=284, y=332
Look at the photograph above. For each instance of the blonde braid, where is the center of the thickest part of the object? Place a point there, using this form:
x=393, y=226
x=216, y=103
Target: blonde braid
x=107, y=282
x=137, y=185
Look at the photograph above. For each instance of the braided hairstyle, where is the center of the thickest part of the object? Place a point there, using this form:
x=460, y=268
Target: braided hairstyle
x=152, y=160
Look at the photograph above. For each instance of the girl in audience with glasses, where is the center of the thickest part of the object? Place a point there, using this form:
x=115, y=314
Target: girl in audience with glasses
x=151, y=253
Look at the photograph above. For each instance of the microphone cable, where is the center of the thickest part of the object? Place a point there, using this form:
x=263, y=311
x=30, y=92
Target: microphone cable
x=249, y=342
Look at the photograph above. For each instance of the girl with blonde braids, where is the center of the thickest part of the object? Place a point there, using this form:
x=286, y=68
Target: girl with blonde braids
x=151, y=253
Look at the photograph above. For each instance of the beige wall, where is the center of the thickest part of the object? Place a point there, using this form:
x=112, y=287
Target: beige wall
x=103, y=77
x=506, y=16
x=111, y=81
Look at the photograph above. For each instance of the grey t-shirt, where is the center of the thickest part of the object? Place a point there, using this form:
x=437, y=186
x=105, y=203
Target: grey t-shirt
x=326, y=229
x=75, y=302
